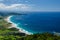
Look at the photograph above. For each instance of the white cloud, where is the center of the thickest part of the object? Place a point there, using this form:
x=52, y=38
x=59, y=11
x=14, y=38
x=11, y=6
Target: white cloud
x=15, y=7
x=24, y=7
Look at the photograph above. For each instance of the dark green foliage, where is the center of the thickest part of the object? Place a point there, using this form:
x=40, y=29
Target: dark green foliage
x=13, y=29
x=42, y=36
x=31, y=37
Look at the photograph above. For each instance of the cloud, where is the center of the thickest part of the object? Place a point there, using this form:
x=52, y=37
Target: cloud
x=15, y=7
x=19, y=7
x=24, y=7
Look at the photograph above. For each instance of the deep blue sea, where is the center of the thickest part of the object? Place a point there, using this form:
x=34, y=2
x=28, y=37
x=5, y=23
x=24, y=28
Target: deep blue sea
x=37, y=22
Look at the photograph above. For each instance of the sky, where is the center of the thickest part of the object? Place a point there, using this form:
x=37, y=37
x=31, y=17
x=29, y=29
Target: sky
x=30, y=5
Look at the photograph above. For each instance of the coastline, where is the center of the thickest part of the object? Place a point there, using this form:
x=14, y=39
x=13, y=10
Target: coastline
x=15, y=26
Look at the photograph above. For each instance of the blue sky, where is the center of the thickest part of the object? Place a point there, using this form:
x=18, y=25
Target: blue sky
x=36, y=5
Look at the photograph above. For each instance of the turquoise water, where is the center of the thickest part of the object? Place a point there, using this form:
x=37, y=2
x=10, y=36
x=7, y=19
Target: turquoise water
x=36, y=22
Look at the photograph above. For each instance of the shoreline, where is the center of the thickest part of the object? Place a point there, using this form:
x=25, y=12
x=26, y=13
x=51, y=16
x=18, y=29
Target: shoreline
x=15, y=26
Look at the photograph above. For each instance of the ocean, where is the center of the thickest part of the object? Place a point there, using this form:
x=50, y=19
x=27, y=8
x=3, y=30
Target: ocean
x=38, y=22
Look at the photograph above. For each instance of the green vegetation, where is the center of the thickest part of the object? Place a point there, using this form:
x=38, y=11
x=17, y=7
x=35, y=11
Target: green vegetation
x=3, y=23
x=13, y=33
x=42, y=36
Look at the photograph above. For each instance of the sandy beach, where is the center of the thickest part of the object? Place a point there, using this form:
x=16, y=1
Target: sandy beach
x=15, y=26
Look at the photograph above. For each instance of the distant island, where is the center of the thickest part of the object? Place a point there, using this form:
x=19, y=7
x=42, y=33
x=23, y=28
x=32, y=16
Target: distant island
x=10, y=13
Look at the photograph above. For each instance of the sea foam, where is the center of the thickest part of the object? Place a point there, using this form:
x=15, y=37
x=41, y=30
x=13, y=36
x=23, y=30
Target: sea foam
x=16, y=26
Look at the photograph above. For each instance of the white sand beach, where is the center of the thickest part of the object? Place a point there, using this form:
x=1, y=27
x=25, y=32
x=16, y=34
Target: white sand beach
x=15, y=26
